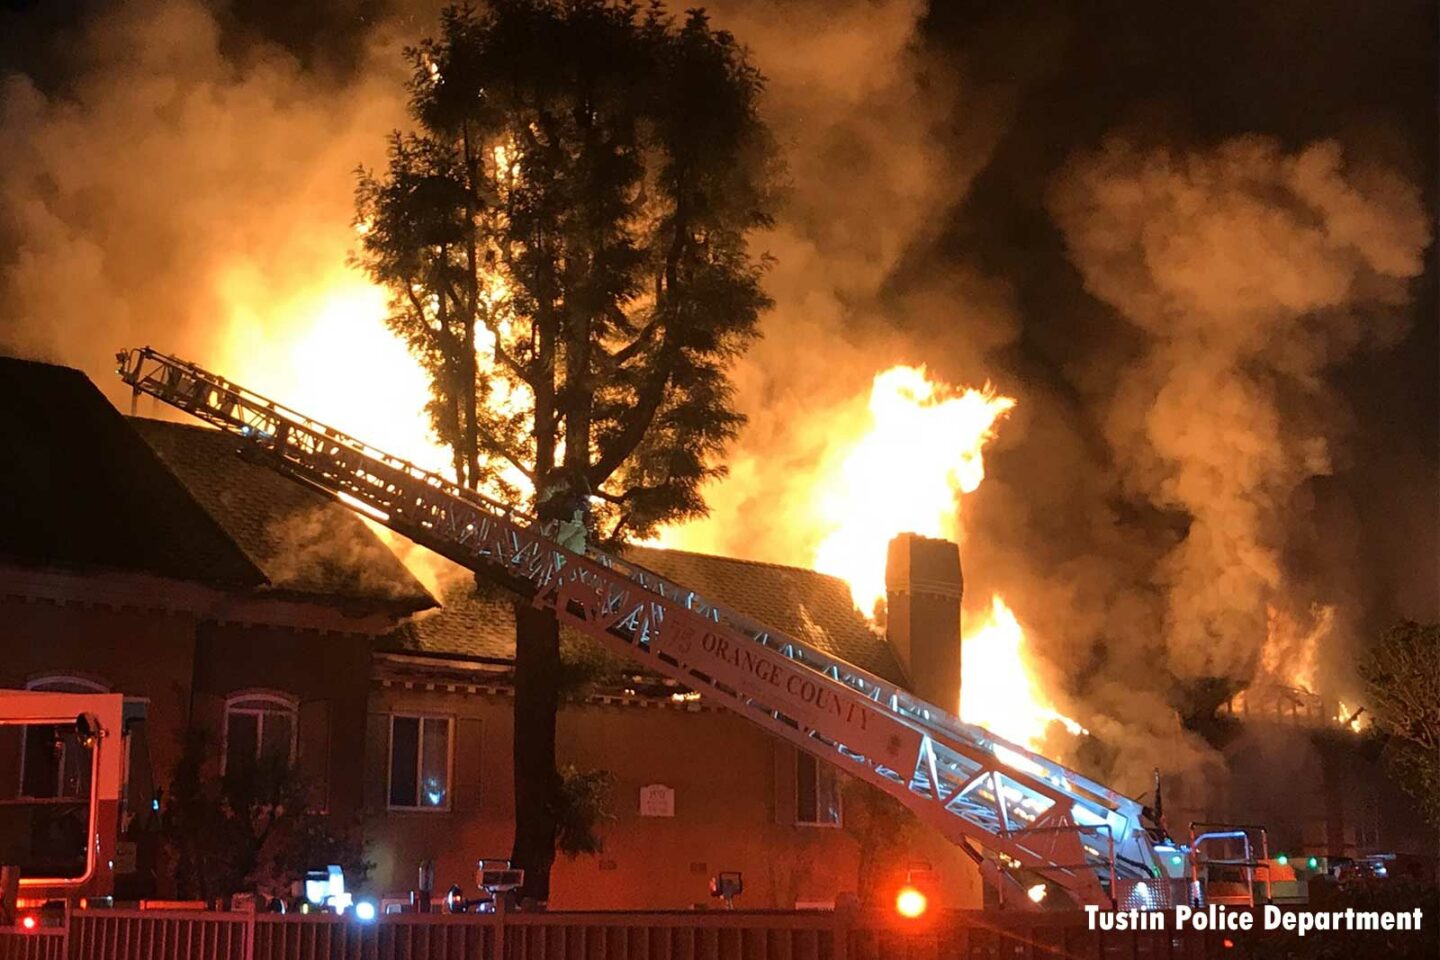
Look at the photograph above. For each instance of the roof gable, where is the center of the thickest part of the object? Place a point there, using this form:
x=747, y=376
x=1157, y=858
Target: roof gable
x=79, y=490
x=304, y=542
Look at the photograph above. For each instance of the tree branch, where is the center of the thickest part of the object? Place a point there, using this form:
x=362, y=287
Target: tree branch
x=642, y=414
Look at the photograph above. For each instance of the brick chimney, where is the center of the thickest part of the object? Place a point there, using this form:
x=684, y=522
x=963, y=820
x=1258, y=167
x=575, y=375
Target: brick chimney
x=923, y=586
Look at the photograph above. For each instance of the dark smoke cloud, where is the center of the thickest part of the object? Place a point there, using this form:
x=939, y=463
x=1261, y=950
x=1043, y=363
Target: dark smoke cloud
x=1253, y=273
x=865, y=111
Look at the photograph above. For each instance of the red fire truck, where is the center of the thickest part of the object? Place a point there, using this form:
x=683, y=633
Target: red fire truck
x=62, y=762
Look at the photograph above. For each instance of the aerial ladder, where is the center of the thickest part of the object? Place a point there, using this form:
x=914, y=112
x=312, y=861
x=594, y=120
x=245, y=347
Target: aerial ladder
x=1032, y=814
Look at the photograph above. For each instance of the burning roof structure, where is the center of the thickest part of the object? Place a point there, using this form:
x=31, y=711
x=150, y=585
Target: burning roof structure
x=479, y=621
x=304, y=543
x=81, y=492
x=88, y=490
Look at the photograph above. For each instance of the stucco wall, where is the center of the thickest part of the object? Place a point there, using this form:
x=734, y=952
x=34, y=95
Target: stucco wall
x=135, y=652
x=734, y=809
x=185, y=667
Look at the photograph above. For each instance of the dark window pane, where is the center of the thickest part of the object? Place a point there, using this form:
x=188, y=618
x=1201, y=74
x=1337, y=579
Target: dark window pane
x=827, y=793
x=44, y=837
x=404, y=761
x=75, y=767
x=12, y=756
x=434, y=772
x=242, y=738
x=276, y=736
x=44, y=752
x=805, y=788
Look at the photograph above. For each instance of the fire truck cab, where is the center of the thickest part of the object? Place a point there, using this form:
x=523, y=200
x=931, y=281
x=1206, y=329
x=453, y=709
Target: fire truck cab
x=62, y=762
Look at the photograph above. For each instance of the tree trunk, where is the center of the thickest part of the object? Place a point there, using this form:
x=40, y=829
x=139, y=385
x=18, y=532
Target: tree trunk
x=537, y=669
x=537, y=665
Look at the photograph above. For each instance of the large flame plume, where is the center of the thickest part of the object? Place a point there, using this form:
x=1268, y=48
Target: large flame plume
x=1291, y=654
x=337, y=339
x=1001, y=690
x=904, y=469
x=903, y=473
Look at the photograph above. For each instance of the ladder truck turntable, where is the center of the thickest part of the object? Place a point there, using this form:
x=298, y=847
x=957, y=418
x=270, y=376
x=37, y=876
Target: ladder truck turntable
x=977, y=789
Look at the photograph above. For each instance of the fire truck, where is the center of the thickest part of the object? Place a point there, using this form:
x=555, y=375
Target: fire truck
x=59, y=831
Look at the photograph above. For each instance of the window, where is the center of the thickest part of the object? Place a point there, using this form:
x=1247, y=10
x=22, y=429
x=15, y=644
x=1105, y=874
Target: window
x=420, y=763
x=817, y=792
x=53, y=764
x=259, y=730
x=46, y=808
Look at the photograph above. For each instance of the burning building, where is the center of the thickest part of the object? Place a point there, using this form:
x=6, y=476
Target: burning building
x=170, y=573
x=1184, y=328
x=219, y=596
x=694, y=788
x=278, y=621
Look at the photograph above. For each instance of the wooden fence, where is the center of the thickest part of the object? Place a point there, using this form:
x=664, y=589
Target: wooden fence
x=185, y=935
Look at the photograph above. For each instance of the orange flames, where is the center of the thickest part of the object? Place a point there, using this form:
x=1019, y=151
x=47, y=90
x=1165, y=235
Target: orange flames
x=922, y=449
x=999, y=689
x=904, y=473
x=1351, y=718
x=1291, y=658
x=1292, y=649
x=325, y=350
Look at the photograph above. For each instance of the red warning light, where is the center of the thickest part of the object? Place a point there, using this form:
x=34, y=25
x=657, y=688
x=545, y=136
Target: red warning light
x=28, y=922
x=1227, y=943
x=910, y=903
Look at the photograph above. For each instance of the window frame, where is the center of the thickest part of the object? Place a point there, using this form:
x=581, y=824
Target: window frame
x=420, y=717
x=821, y=769
x=276, y=702
x=61, y=683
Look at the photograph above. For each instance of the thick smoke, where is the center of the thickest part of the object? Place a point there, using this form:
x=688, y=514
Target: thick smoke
x=1249, y=273
x=865, y=117
x=179, y=191
x=1252, y=274
x=193, y=189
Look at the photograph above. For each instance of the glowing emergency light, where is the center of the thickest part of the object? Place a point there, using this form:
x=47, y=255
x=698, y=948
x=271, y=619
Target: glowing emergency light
x=325, y=889
x=28, y=922
x=910, y=903
x=365, y=911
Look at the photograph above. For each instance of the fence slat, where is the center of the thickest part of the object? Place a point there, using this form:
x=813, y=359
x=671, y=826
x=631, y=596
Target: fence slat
x=718, y=935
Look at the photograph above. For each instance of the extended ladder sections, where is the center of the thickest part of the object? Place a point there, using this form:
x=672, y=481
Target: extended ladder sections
x=970, y=785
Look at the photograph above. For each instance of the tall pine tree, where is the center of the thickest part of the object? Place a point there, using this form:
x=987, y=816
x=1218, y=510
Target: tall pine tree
x=566, y=240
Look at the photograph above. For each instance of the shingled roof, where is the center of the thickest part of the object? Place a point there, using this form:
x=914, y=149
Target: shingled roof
x=809, y=606
x=306, y=544
x=80, y=491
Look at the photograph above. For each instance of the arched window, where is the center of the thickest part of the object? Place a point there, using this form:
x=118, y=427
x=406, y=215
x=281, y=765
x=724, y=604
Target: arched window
x=53, y=763
x=67, y=683
x=260, y=728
